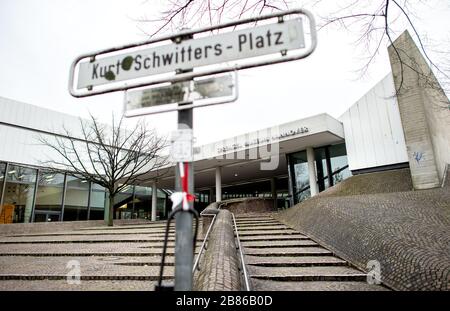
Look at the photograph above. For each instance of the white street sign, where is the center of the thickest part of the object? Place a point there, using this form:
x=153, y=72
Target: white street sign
x=199, y=92
x=189, y=54
x=181, y=148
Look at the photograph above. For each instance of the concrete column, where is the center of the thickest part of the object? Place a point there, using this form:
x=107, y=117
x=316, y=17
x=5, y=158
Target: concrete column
x=154, y=199
x=312, y=171
x=218, y=184
x=273, y=190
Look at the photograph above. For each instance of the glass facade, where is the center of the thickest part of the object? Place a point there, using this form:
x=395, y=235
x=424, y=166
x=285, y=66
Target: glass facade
x=331, y=168
x=18, y=195
x=49, y=197
x=36, y=195
x=135, y=202
x=298, y=166
x=98, y=199
x=76, y=200
x=5, y=214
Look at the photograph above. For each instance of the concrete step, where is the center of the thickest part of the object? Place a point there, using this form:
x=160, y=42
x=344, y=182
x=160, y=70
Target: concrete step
x=278, y=244
x=302, y=274
x=254, y=218
x=258, y=223
x=274, y=232
x=272, y=228
x=268, y=285
x=148, y=233
x=62, y=285
x=305, y=261
x=88, y=240
x=273, y=238
x=289, y=252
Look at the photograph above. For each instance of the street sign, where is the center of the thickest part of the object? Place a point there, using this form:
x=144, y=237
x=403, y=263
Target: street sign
x=172, y=58
x=199, y=92
x=221, y=48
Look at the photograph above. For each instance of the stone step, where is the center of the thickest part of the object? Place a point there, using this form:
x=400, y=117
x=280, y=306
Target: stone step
x=149, y=233
x=253, y=218
x=259, y=224
x=273, y=238
x=268, y=285
x=244, y=222
x=275, y=232
x=64, y=248
x=278, y=244
x=289, y=252
x=158, y=240
x=84, y=277
x=21, y=264
x=25, y=268
x=62, y=285
x=273, y=228
x=302, y=274
x=147, y=226
x=304, y=261
x=73, y=254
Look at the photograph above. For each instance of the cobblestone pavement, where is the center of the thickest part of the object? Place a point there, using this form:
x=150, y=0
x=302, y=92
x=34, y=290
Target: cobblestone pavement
x=281, y=258
x=109, y=258
x=407, y=232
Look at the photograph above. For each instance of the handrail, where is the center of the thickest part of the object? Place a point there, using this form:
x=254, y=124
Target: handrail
x=244, y=269
x=197, y=260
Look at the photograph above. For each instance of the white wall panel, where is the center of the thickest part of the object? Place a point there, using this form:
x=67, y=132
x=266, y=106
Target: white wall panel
x=373, y=129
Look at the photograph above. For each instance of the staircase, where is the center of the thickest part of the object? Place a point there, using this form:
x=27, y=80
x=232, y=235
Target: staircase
x=280, y=258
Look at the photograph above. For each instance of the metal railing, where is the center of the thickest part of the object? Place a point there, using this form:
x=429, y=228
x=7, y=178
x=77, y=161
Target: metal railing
x=205, y=240
x=244, y=269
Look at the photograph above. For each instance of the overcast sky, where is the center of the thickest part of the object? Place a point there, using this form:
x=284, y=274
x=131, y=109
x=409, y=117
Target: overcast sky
x=40, y=39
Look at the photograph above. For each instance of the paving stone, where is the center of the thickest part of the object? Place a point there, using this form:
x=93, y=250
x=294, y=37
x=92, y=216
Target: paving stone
x=407, y=232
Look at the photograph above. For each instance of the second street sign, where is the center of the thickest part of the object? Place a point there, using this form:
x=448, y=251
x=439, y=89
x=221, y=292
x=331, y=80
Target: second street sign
x=204, y=91
x=221, y=48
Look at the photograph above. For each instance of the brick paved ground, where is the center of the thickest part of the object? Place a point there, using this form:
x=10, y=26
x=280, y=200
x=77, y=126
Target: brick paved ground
x=124, y=257
x=408, y=232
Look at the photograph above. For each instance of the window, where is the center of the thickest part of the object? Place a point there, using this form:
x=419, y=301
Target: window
x=339, y=164
x=2, y=177
x=50, y=192
x=19, y=194
x=97, y=204
x=76, y=202
x=300, y=176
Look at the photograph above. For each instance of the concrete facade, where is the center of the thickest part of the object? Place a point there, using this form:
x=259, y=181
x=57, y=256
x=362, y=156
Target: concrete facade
x=425, y=113
x=373, y=129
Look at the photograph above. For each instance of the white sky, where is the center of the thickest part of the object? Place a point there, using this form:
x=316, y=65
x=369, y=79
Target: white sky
x=40, y=39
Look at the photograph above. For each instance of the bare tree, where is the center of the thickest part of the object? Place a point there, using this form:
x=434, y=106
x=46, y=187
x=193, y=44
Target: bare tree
x=372, y=22
x=192, y=13
x=110, y=156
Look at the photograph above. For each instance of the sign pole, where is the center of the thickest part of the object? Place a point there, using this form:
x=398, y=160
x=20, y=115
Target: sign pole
x=184, y=254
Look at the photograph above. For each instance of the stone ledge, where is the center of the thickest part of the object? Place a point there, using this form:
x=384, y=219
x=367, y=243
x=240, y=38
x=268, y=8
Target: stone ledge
x=219, y=264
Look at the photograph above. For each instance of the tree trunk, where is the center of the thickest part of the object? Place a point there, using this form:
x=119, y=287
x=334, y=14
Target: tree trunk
x=111, y=211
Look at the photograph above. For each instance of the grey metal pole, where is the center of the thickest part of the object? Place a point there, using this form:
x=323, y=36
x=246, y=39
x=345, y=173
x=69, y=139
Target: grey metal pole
x=184, y=256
